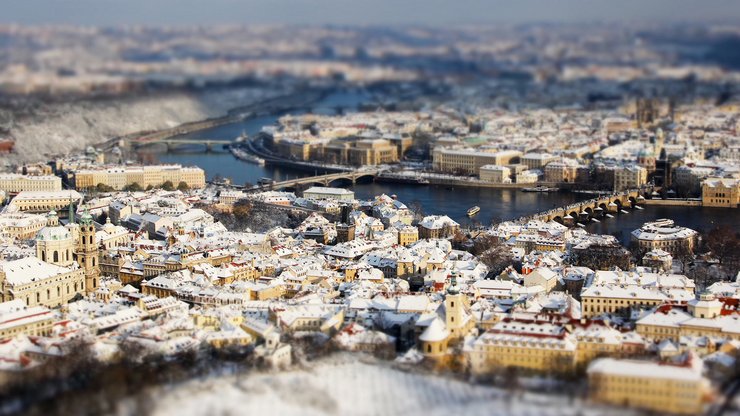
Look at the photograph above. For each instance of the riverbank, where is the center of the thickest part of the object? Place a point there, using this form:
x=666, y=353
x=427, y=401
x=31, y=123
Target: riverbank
x=675, y=202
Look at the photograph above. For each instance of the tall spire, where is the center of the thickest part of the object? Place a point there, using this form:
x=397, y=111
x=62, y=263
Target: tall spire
x=71, y=213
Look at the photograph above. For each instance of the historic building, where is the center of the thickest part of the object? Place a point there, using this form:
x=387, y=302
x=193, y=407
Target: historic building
x=14, y=183
x=720, y=192
x=665, y=235
x=36, y=282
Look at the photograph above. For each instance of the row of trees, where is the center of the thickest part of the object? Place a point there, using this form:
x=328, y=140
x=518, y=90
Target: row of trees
x=136, y=187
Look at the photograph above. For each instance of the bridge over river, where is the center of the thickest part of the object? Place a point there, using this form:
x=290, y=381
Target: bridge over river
x=320, y=180
x=584, y=211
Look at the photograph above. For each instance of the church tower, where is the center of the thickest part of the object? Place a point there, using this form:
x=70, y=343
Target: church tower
x=87, y=253
x=454, y=309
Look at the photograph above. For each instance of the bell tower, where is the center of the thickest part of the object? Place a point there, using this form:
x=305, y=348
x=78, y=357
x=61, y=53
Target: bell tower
x=87, y=253
x=454, y=309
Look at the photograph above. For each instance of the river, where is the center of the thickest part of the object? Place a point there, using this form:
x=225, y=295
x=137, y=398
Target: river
x=495, y=204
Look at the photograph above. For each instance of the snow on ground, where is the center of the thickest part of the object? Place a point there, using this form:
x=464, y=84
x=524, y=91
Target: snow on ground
x=345, y=386
x=64, y=127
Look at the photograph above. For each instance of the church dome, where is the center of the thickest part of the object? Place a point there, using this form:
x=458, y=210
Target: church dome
x=53, y=233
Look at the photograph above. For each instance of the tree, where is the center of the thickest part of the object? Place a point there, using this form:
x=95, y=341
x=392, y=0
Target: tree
x=724, y=243
x=134, y=187
x=101, y=187
x=168, y=186
x=495, y=254
x=242, y=208
x=149, y=187
x=417, y=210
x=183, y=186
x=683, y=254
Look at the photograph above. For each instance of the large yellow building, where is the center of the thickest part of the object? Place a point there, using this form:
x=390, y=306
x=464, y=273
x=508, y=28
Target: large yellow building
x=662, y=388
x=545, y=346
x=720, y=192
x=629, y=177
x=13, y=183
x=155, y=175
x=17, y=318
x=23, y=226
x=36, y=282
x=44, y=201
x=469, y=161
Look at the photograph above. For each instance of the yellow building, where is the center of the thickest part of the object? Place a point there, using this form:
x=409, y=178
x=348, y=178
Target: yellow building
x=629, y=177
x=17, y=318
x=310, y=317
x=155, y=175
x=23, y=226
x=662, y=388
x=39, y=283
x=613, y=299
x=541, y=347
x=469, y=161
x=563, y=170
x=373, y=152
x=44, y=201
x=720, y=192
x=408, y=235
x=537, y=160
x=495, y=174
x=14, y=183
x=437, y=226
x=703, y=319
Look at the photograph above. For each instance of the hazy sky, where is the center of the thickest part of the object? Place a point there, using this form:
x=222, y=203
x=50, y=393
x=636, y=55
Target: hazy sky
x=184, y=12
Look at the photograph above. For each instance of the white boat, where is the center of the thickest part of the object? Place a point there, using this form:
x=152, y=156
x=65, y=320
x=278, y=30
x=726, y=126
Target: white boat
x=243, y=155
x=474, y=210
x=639, y=207
x=609, y=216
x=581, y=225
x=540, y=189
x=594, y=220
x=623, y=211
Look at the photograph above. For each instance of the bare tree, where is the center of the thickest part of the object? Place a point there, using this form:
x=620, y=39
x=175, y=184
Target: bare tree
x=724, y=243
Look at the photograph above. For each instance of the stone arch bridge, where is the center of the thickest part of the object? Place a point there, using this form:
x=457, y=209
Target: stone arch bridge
x=320, y=180
x=592, y=208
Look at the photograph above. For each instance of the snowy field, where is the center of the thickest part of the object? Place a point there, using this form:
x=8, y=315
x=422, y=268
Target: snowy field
x=345, y=386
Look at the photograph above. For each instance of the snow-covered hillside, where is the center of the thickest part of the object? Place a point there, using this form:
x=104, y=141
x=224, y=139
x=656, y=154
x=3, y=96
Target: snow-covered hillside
x=63, y=127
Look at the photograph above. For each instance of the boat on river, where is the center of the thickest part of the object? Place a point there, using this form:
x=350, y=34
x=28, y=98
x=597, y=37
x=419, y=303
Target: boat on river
x=474, y=210
x=540, y=189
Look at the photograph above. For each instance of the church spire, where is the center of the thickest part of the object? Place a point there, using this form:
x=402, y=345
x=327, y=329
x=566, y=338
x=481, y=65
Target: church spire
x=71, y=213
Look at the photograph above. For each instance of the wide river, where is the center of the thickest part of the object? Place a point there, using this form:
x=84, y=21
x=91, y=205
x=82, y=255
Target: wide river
x=495, y=204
